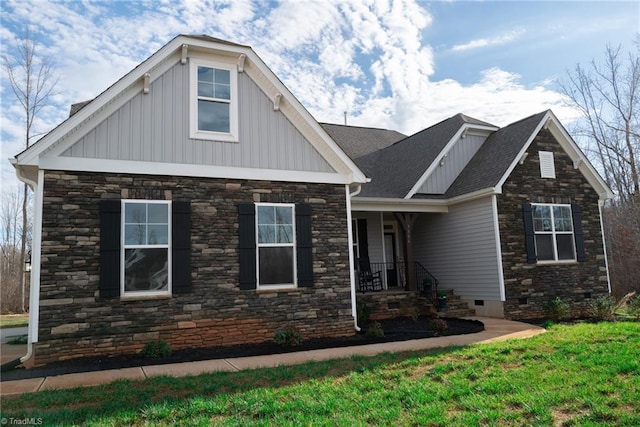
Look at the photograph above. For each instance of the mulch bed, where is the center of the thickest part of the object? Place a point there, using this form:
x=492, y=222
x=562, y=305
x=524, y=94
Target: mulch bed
x=398, y=329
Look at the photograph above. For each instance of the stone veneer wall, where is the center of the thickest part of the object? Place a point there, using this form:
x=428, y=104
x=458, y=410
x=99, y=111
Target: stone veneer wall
x=529, y=287
x=75, y=321
x=394, y=303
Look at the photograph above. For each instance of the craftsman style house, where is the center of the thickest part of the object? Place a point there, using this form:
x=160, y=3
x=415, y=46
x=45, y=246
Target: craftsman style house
x=197, y=201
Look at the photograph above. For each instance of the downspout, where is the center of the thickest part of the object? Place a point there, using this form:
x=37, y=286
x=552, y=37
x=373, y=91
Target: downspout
x=604, y=244
x=36, y=238
x=354, y=311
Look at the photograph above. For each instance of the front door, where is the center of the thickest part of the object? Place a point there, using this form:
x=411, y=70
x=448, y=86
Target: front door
x=390, y=257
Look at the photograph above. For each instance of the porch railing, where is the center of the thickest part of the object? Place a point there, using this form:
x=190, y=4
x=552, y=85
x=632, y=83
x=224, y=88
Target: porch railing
x=395, y=277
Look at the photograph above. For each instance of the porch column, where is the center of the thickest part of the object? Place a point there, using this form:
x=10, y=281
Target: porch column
x=407, y=220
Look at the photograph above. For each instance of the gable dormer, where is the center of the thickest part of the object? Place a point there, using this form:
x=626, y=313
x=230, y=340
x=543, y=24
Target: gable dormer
x=452, y=161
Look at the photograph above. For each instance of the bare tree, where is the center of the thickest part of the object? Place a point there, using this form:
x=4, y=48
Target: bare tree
x=32, y=80
x=12, y=297
x=608, y=96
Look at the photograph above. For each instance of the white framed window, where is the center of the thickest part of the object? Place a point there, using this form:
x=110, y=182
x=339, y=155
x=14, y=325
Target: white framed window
x=554, y=234
x=146, y=243
x=276, y=243
x=213, y=100
x=547, y=164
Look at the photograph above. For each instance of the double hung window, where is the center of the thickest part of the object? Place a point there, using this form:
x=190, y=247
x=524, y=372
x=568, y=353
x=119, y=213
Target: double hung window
x=554, y=234
x=146, y=242
x=214, y=101
x=276, y=244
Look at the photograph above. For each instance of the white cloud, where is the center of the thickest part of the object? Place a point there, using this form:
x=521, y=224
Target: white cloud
x=364, y=57
x=493, y=41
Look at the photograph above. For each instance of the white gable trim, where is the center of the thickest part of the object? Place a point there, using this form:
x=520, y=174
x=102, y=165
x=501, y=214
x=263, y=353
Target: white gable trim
x=443, y=153
x=189, y=170
x=71, y=130
x=551, y=122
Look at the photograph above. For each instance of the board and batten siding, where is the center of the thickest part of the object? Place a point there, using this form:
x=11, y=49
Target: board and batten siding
x=459, y=248
x=155, y=128
x=457, y=158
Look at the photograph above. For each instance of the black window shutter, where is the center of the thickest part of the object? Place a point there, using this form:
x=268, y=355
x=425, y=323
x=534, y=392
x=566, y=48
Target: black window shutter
x=304, y=245
x=363, y=242
x=527, y=212
x=110, y=248
x=181, y=246
x=247, y=245
x=576, y=212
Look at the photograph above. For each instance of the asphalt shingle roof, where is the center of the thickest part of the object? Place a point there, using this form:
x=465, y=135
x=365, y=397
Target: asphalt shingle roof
x=395, y=169
x=358, y=141
x=495, y=156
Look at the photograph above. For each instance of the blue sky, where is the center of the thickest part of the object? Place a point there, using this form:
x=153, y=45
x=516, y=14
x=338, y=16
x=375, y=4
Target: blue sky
x=402, y=65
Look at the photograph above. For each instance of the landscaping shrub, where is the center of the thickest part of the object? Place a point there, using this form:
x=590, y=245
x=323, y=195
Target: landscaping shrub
x=602, y=308
x=363, y=311
x=438, y=326
x=375, y=330
x=288, y=337
x=633, y=307
x=557, y=309
x=156, y=349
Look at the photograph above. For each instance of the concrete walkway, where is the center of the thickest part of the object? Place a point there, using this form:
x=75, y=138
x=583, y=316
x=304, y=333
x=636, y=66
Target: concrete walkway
x=495, y=330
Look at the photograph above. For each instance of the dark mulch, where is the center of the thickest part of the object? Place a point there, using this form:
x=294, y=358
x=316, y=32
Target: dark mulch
x=399, y=329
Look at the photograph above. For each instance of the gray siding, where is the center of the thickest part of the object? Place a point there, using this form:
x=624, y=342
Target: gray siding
x=458, y=157
x=459, y=248
x=155, y=128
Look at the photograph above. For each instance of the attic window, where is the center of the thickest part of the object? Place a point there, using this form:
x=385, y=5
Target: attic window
x=547, y=165
x=214, y=105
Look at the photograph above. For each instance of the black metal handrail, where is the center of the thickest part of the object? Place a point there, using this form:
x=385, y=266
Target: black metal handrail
x=427, y=282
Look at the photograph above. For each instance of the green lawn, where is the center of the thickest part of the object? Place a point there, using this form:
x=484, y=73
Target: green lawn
x=586, y=374
x=14, y=320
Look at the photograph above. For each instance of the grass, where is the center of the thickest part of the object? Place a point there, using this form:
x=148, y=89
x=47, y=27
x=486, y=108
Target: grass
x=14, y=320
x=584, y=374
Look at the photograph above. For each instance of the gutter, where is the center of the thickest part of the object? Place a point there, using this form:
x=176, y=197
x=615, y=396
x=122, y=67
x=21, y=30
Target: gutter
x=354, y=311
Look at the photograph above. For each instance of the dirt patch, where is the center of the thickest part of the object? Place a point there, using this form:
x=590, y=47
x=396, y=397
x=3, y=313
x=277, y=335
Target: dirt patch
x=399, y=329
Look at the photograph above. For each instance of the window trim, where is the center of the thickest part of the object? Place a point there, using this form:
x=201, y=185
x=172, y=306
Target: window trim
x=293, y=245
x=554, y=233
x=123, y=246
x=194, y=132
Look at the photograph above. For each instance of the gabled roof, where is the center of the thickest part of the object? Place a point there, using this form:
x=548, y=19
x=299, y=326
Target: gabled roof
x=492, y=161
x=396, y=169
x=359, y=141
x=87, y=116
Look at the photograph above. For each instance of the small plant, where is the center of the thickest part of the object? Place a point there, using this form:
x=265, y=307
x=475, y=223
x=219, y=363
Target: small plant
x=557, y=309
x=415, y=314
x=364, y=312
x=17, y=340
x=548, y=324
x=602, y=308
x=288, y=337
x=633, y=307
x=438, y=326
x=156, y=349
x=375, y=330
